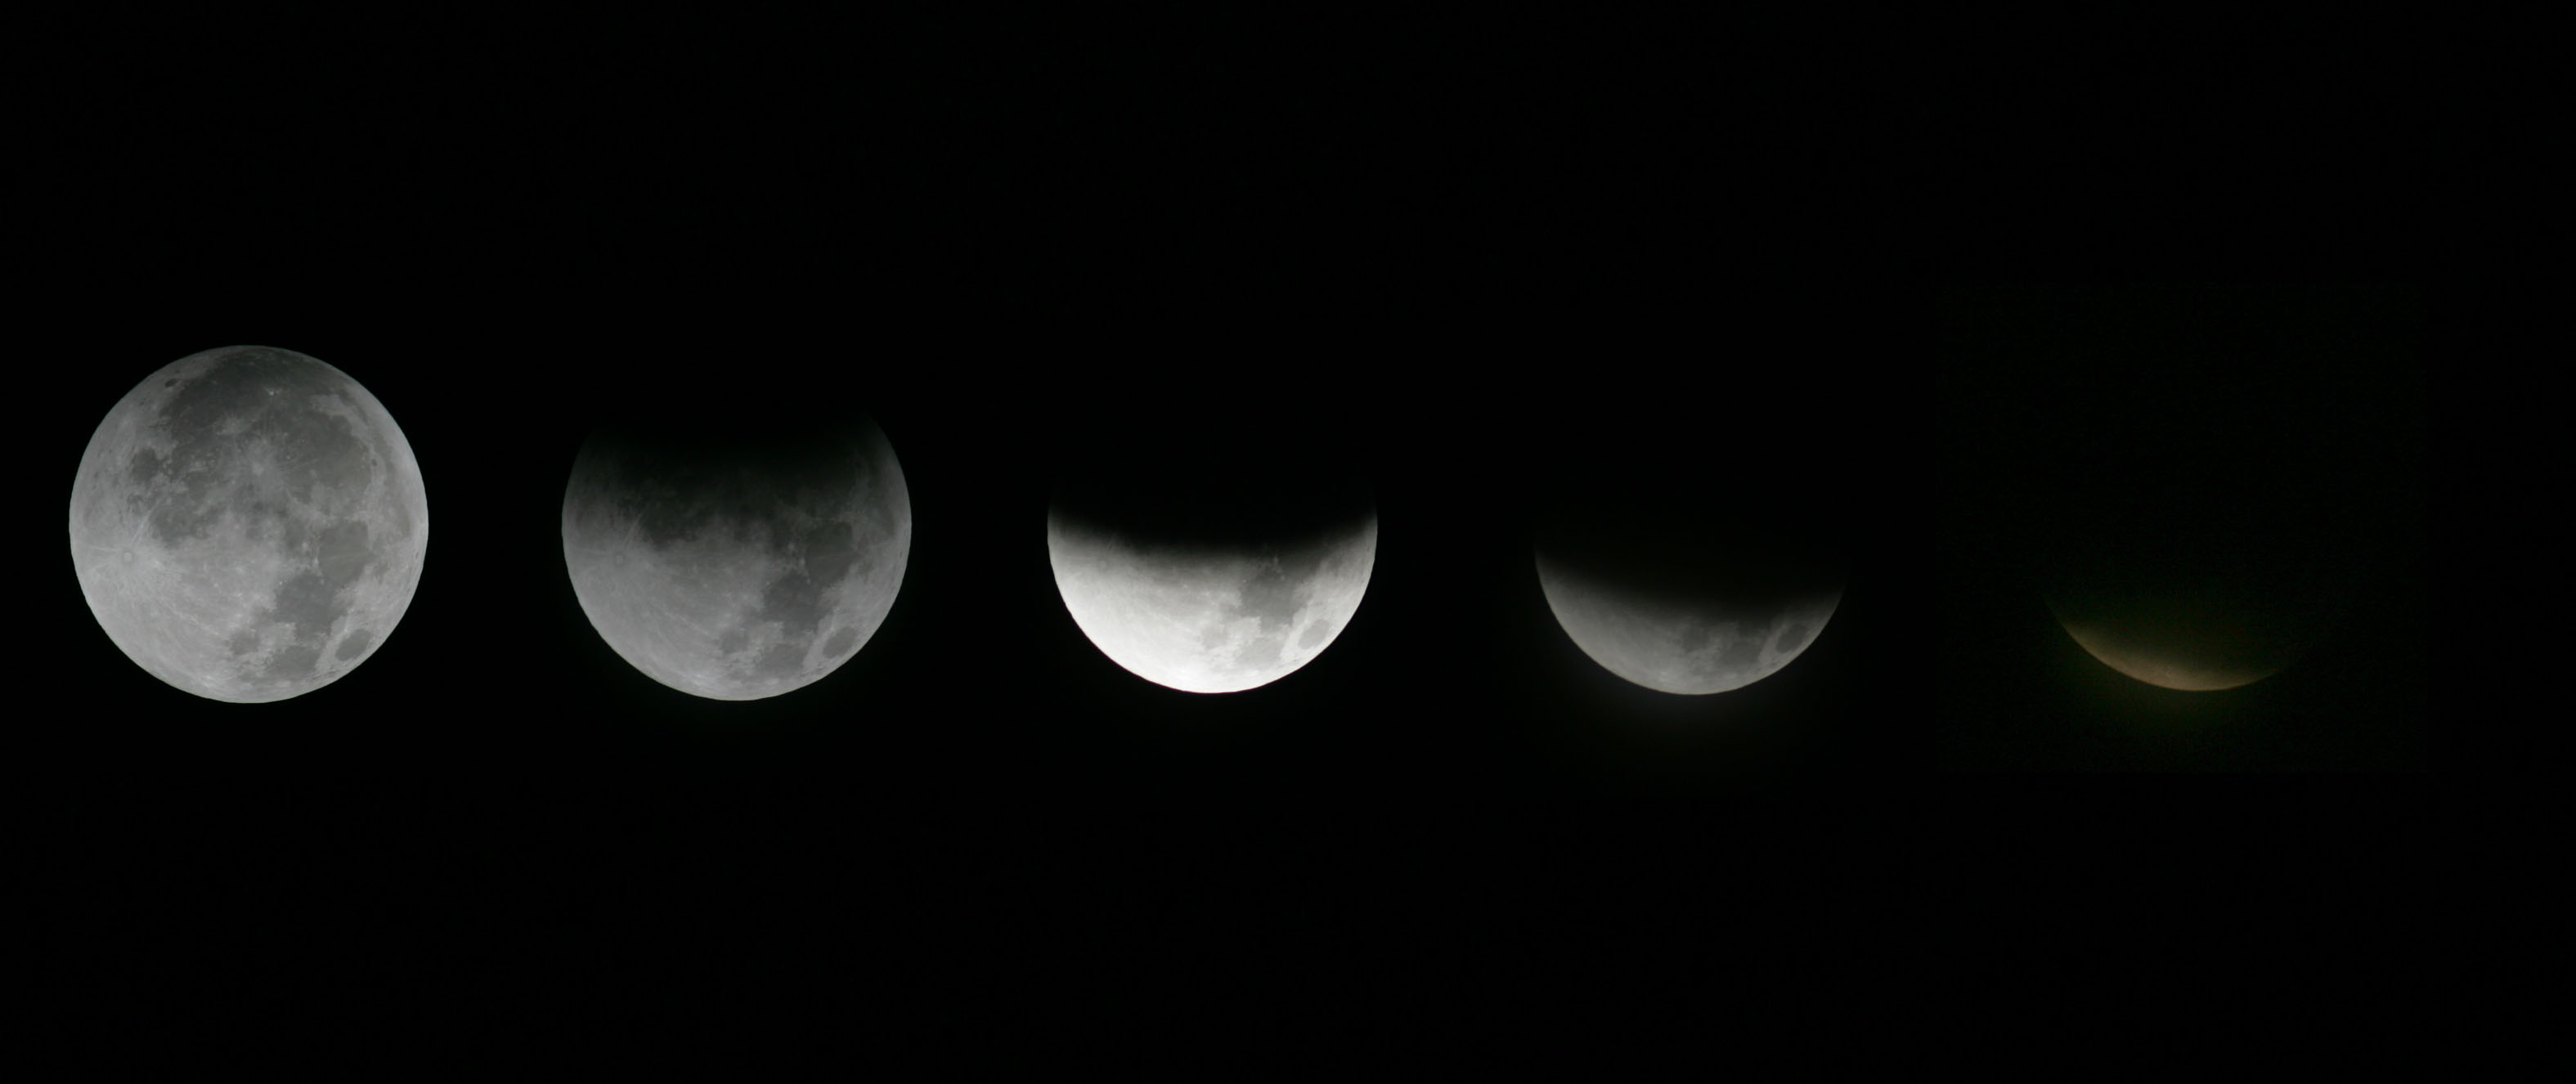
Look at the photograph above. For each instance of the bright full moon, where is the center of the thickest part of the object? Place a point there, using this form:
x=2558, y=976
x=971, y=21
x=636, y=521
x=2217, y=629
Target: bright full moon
x=248, y=524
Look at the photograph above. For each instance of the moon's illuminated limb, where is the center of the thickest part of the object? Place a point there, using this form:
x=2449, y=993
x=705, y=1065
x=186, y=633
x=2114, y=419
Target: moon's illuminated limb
x=248, y=524
x=1673, y=648
x=2158, y=664
x=1210, y=623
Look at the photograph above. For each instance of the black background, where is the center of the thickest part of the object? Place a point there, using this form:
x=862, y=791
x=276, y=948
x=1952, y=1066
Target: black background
x=1485, y=262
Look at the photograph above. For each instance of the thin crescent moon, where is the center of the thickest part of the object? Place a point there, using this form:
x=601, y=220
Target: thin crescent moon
x=2162, y=669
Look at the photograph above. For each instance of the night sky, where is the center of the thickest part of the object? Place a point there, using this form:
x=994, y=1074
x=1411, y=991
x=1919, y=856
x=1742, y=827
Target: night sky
x=1492, y=283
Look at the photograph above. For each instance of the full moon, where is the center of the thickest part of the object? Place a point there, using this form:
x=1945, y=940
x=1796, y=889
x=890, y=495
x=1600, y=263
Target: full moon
x=733, y=556
x=1675, y=644
x=248, y=524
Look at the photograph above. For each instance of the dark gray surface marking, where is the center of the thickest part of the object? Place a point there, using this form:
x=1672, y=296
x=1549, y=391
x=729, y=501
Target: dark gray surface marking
x=144, y=467
x=782, y=660
x=294, y=662
x=1741, y=656
x=340, y=553
x=309, y=602
x=831, y=550
x=796, y=603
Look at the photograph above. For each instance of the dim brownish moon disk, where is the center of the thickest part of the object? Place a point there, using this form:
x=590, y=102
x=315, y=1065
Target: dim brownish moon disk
x=2191, y=644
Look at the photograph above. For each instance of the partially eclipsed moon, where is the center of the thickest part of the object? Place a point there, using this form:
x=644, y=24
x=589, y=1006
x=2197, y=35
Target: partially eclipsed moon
x=1210, y=622
x=1689, y=648
x=737, y=570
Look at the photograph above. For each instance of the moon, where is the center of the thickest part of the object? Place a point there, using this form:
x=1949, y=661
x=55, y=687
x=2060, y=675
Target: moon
x=1697, y=543
x=739, y=558
x=1675, y=644
x=1210, y=620
x=2197, y=479
x=2161, y=664
x=2207, y=632
x=248, y=524
x=1686, y=591
x=2203, y=592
